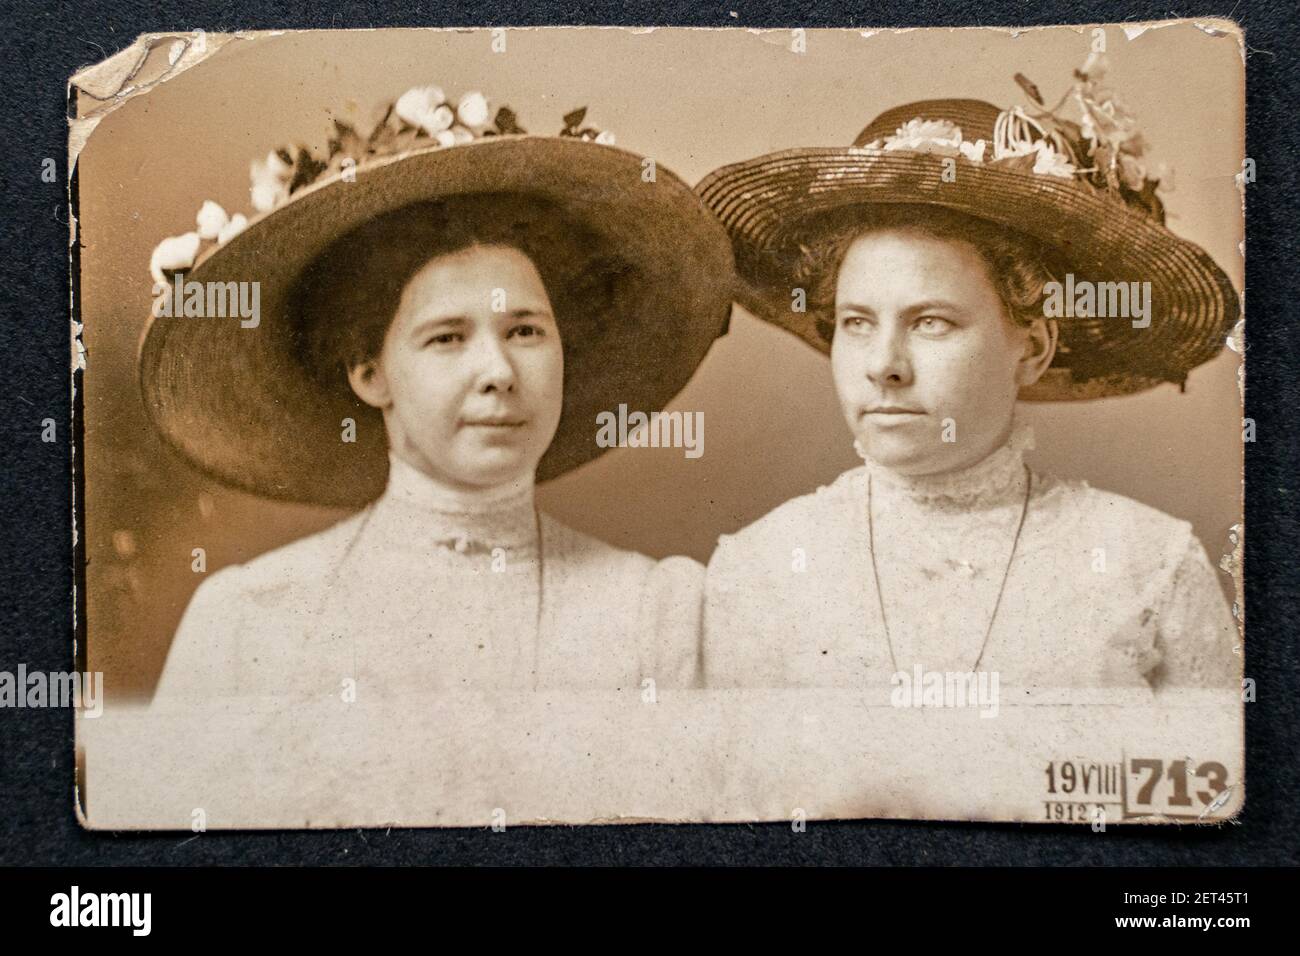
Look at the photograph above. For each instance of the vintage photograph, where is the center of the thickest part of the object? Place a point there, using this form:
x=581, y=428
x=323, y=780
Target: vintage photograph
x=395, y=355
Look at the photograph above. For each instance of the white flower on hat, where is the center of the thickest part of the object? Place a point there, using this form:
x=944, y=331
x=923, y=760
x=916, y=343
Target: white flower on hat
x=425, y=107
x=232, y=228
x=274, y=165
x=211, y=219
x=460, y=134
x=472, y=110
x=926, y=136
x=605, y=138
x=1086, y=126
x=270, y=179
x=919, y=128
x=265, y=196
x=1051, y=163
x=1015, y=134
x=1047, y=160
x=172, y=255
x=441, y=119
x=445, y=138
x=973, y=151
x=417, y=101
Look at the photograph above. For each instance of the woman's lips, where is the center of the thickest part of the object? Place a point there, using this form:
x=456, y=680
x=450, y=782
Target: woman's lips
x=890, y=416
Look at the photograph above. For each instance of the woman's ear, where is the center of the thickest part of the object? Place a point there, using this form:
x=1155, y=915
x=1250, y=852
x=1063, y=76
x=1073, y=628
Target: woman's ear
x=370, y=384
x=1040, y=349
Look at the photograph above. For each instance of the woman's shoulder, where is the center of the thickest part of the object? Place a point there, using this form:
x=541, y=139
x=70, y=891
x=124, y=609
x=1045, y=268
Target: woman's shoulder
x=1137, y=536
x=239, y=633
x=584, y=550
x=816, y=516
x=280, y=573
x=1119, y=516
x=621, y=616
x=585, y=557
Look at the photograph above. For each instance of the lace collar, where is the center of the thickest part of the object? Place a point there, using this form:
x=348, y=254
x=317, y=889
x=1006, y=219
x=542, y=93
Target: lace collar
x=994, y=480
x=424, y=509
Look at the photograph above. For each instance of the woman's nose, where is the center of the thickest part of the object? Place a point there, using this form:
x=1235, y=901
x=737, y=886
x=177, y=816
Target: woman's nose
x=496, y=373
x=888, y=362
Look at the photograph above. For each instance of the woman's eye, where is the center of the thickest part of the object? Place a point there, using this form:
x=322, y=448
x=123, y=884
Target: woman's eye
x=445, y=338
x=854, y=322
x=525, y=331
x=933, y=324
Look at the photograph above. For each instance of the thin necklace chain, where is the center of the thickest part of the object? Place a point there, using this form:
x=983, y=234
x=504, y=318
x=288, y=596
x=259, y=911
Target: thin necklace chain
x=1006, y=572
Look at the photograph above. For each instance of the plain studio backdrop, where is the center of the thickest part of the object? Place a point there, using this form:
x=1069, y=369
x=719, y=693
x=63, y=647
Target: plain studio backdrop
x=694, y=100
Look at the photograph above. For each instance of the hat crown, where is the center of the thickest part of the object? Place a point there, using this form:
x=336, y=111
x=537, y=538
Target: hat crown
x=976, y=118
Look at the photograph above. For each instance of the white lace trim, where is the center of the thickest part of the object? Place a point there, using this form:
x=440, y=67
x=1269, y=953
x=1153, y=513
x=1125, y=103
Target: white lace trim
x=427, y=510
x=992, y=481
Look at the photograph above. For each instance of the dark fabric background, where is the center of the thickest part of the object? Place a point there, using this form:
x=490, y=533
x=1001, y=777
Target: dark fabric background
x=41, y=46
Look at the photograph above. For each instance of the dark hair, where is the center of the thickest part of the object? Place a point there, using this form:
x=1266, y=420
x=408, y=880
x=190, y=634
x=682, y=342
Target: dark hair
x=348, y=297
x=1017, y=266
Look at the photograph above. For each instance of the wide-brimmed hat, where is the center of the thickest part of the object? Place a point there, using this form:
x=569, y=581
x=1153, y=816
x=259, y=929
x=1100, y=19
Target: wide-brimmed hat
x=246, y=404
x=1078, y=190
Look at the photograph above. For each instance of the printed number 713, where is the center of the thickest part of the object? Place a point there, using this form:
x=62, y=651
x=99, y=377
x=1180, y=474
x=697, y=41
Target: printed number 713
x=1152, y=776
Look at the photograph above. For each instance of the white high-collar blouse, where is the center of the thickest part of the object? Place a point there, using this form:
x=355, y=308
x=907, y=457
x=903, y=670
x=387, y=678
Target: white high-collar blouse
x=432, y=588
x=1103, y=592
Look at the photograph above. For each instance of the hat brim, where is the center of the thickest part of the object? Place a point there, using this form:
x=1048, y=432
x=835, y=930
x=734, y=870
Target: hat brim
x=240, y=406
x=767, y=201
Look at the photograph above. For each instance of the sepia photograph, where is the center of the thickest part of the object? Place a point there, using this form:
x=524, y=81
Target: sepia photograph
x=396, y=352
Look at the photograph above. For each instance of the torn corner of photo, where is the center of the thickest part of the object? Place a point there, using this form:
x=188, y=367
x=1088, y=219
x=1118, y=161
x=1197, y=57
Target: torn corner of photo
x=97, y=90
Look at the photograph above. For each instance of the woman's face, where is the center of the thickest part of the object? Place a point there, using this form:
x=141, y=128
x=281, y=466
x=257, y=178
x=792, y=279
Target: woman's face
x=471, y=375
x=926, y=363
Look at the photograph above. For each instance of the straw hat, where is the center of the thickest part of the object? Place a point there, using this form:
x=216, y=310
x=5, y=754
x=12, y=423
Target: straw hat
x=1079, y=189
x=246, y=404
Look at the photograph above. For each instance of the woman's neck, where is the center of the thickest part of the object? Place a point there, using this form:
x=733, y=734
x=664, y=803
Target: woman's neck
x=416, y=487
x=993, y=480
x=427, y=509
